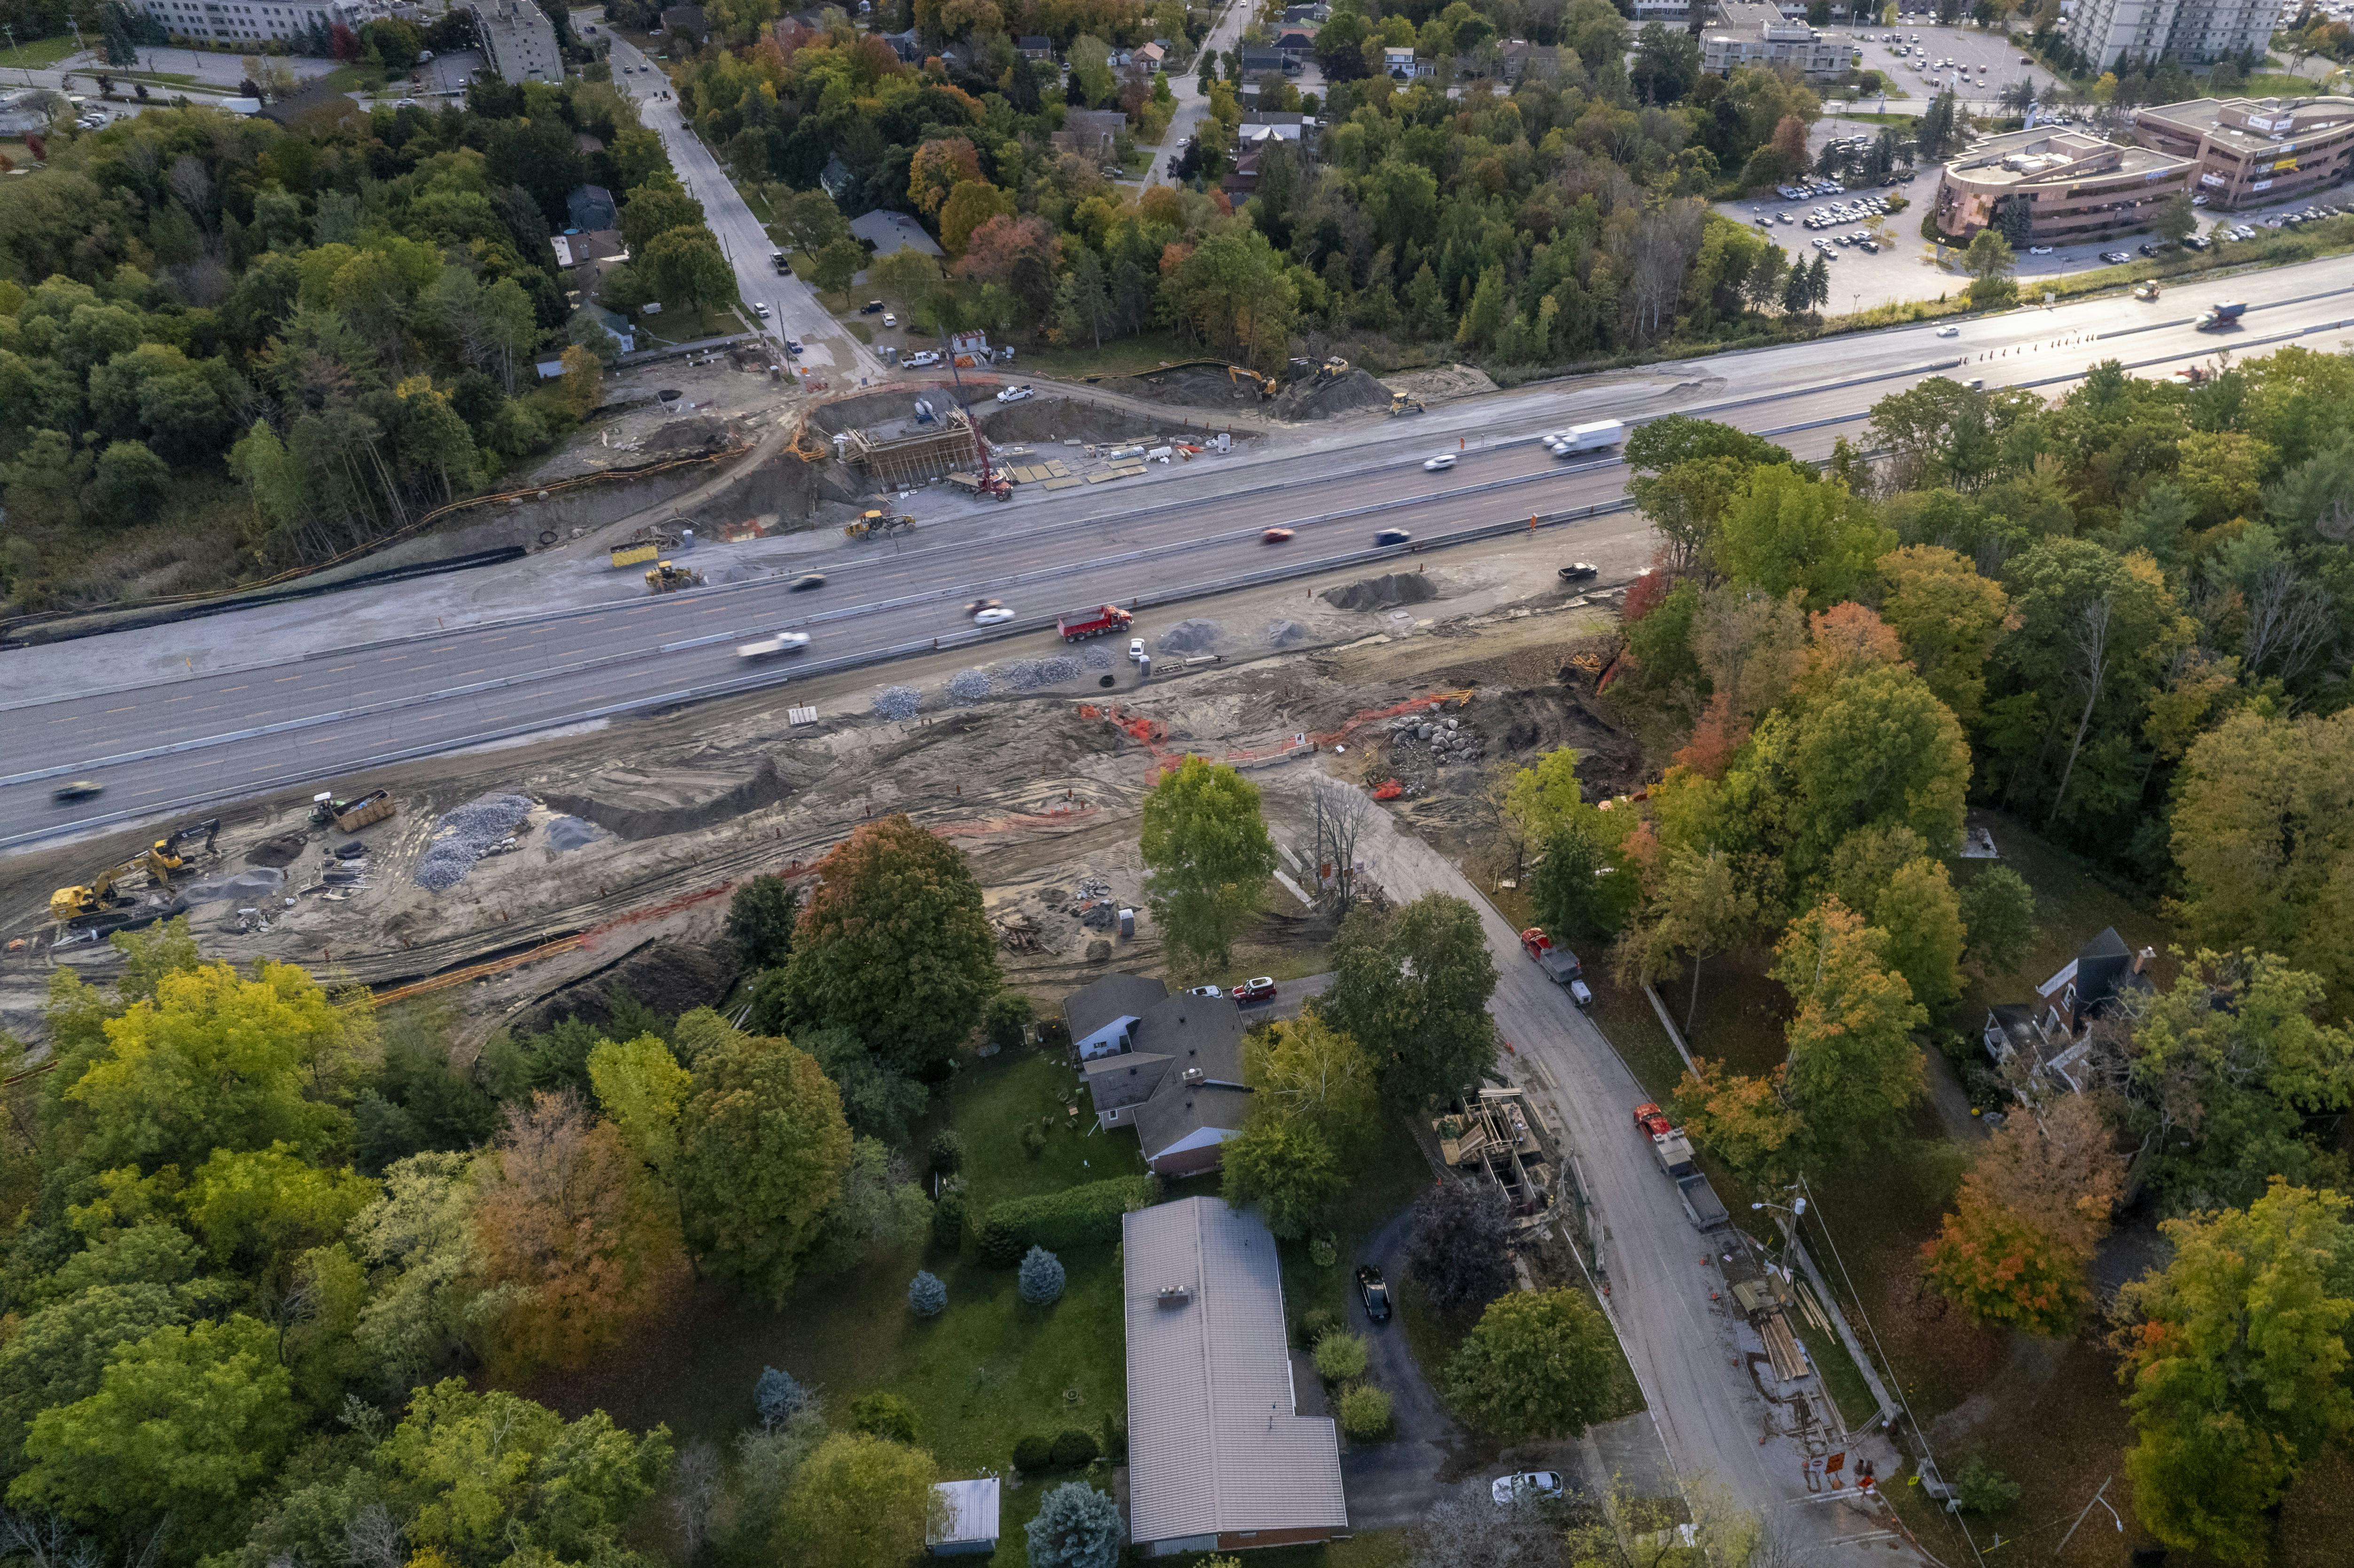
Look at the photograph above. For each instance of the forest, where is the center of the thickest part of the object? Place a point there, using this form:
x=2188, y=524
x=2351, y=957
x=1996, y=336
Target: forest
x=228, y=347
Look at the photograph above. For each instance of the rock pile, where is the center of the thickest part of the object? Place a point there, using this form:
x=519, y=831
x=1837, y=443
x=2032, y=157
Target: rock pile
x=465, y=835
x=898, y=701
x=1032, y=674
x=970, y=685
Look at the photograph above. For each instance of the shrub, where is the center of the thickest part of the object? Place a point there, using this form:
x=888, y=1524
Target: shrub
x=1115, y=1435
x=1033, y=1455
x=1314, y=1324
x=1074, y=1449
x=1075, y=1527
x=884, y=1415
x=1340, y=1358
x=1041, y=1280
x=927, y=1296
x=1537, y=1364
x=1008, y=1019
x=1086, y=1215
x=948, y=1152
x=1033, y=1141
x=1365, y=1412
x=948, y=1222
x=778, y=1398
x=1982, y=1488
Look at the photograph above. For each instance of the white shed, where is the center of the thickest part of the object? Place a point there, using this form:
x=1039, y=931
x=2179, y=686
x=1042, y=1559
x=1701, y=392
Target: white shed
x=966, y=1525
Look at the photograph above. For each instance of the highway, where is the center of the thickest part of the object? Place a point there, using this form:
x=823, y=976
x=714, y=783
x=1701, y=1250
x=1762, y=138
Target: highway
x=309, y=712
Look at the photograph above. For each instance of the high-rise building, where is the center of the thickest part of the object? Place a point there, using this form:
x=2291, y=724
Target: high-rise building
x=2191, y=31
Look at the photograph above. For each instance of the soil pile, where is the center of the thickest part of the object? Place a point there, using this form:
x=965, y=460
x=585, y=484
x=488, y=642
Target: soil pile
x=630, y=805
x=257, y=882
x=686, y=437
x=1382, y=592
x=1284, y=633
x=570, y=833
x=1048, y=422
x=1353, y=392
x=1191, y=637
x=465, y=835
x=1191, y=386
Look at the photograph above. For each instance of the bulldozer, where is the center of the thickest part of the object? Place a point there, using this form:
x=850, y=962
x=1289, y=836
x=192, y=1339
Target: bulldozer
x=667, y=577
x=1332, y=369
x=1402, y=404
x=879, y=525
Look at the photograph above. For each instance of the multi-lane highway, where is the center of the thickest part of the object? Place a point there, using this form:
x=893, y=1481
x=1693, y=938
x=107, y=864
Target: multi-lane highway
x=312, y=712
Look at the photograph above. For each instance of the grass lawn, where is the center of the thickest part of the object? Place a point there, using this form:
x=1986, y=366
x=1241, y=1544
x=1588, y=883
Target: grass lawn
x=40, y=54
x=1128, y=357
x=1389, y=1173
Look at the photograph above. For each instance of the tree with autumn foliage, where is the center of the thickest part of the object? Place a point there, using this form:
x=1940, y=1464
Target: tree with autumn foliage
x=1853, y=1068
x=2035, y=1204
x=575, y=1240
x=763, y=1151
x=936, y=169
x=1949, y=618
x=1743, y=1120
x=2234, y=1363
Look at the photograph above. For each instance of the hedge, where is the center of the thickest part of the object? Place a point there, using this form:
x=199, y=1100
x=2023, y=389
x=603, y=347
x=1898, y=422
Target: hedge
x=1086, y=1216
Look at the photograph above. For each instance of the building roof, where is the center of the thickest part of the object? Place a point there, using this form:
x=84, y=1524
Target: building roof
x=888, y=231
x=1189, y=1115
x=1215, y=1443
x=2031, y=159
x=1113, y=997
x=1123, y=1079
x=591, y=206
x=2248, y=125
x=1034, y=41
x=685, y=19
x=970, y=1511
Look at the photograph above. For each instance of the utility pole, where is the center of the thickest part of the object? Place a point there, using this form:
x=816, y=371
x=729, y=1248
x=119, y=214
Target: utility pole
x=2097, y=1498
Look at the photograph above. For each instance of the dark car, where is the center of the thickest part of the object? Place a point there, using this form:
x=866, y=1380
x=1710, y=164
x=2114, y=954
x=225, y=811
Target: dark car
x=871, y=307
x=792, y=345
x=80, y=789
x=1391, y=537
x=1579, y=571
x=808, y=580
x=1375, y=1292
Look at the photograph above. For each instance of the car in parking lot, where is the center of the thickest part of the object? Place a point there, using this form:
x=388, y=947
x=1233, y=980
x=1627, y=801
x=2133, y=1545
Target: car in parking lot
x=2198, y=242
x=1374, y=1291
x=1015, y=394
x=2038, y=250
x=2115, y=258
x=1528, y=1485
x=871, y=308
x=1391, y=537
x=995, y=615
x=1949, y=330
x=1255, y=991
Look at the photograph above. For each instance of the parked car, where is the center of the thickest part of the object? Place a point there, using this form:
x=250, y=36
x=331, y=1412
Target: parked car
x=890, y=318
x=1651, y=1121
x=1015, y=394
x=1949, y=330
x=923, y=361
x=995, y=615
x=808, y=580
x=1579, y=571
x=1275, y=537
x=1442, y=462
x=1206, y=990
x=793, y=345
x=1391, y=537
x=760, y=309
x=872, y=307
x=1530, y=1486
x=1375, y=1292
x=1251, y=991
x=2038, y=250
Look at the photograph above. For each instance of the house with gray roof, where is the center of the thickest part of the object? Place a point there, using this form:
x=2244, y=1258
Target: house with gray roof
x=2054, y=1031
x=1219, y=1458
x=1170, y=1067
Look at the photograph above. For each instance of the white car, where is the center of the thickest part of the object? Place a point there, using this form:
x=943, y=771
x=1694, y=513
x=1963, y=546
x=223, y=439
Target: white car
x=1528, y=1486
x=761, y=310
x=1443, y=460
x=995, y=615
x=1015, y=394
x=1136, y=655
x=891, y=318
x=1949, y=330
x=2038, y=250
x=1206, y=990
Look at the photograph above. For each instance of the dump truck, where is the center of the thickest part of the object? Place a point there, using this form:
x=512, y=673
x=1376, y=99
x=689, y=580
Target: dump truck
x=1599, y=436
x=1102, y=620
x=1702, y=1207
x=997, y=487
x=879, y=525
x=2220, y=315
x=1560, y=965
x=351, y=815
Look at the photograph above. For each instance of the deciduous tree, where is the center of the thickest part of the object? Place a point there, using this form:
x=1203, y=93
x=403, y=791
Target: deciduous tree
x=1411, y=985
x=2015, y=1250
x=1949, y=618
x=1743, y=1120
x=1783, y=530
x=1456, y=1251
x=760, y=917
x=860, y=1502
x=1853, y=1068
x=1284, y=1167
x=1207, y=859
x=762, y=1152
x=1538, y=1365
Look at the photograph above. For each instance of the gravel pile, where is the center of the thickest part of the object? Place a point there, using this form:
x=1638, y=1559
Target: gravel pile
x=570, y=833
x=254, y=882
x=1284, y=633
x=970, y=685
x=465, y=835
x=898, y=701
x=1097, y=656
x=1191, y=637
x=1030, y=674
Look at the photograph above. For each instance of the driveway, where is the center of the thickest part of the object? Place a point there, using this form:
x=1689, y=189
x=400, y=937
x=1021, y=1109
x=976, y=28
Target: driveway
x=1396, y=1482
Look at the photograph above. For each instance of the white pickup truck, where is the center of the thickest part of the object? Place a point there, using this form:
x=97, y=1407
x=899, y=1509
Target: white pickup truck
x=782, y=642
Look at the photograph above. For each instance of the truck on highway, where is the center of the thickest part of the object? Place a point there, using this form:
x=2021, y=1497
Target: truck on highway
x=1702, y=1207
x=1600, y=436
x=2220, y=315
x=1102, y=620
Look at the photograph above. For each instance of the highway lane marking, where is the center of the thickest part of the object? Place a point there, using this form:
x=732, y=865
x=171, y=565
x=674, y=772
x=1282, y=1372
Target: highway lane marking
x=284, y=678
x=190, y=697
x=463, y=674
x=341, y=668
x=111, y=712
x=501, y=637
x=395, y=659
x=157, y=790
x=225, y=690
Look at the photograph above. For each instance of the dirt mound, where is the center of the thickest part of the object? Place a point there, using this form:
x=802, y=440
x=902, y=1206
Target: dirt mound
x=686, y=437
x=1382, y=592
x=1353, y=392
x=1284, y=633
x=670, y=976
x=1437, y=383
x=1191, y=386
x=632, y=805
x=280, y=850
x=1049, y=421
x=1191, y=637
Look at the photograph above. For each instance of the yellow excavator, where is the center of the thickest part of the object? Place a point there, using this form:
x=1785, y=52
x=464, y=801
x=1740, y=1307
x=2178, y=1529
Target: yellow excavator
x=165, y=859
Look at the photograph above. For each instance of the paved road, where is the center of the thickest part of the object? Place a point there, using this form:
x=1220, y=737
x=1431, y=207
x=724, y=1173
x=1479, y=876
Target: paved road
x=307, y=717
x=827, y=349
x=1191, y=107
x=1689, y=1352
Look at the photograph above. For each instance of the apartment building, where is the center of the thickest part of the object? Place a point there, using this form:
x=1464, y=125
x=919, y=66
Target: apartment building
x=517, y=39
x=1756, y=33
x=2077, y=187
x=253, y=22
x=2250, y=152
x=2193, y=31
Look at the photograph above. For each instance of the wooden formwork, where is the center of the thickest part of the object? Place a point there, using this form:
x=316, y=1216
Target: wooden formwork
x=901, y=461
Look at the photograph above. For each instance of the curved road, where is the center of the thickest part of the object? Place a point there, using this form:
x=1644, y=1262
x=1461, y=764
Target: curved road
x=312, y=713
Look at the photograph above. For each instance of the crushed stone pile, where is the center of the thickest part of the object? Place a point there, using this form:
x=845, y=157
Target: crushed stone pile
x=1284, y=633
x=1353, y=392
x=1097, y=656
x=1380, y=593
x=1031, y=675
x=1191, y=637
x=465, y=835
x=970, y=685
x=570, y=833
x=898, y=701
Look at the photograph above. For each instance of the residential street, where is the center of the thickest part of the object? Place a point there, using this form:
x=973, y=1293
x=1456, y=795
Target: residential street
x=1690, y=1355
x=1191, y=107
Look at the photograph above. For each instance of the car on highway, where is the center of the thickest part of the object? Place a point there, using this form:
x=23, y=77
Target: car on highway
x=1528, y=1485
x=760, y=310
x=1015, y=394
x=1374, y=1291
x=80, y=789
x=1251, y=991
x=1275, y=537
x=995, y=615
x=1949, y=330
x=782, y=642
x=2038, y=250
x=1442, y=462
x=1391, y=537
x=2115, y=258
x=1651, y=1121
x=807, y=581
x=1580, y=571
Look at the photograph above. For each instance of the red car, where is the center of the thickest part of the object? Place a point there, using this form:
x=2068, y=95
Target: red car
x=1251, y=990
x=1651, y=1120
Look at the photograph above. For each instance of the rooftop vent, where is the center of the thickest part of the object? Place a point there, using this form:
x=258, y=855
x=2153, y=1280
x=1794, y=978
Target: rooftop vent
x=1176, y=1295
x=1194, y=1074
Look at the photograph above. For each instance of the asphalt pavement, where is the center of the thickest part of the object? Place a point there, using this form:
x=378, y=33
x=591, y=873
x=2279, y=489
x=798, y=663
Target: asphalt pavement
x=311, y=713
x=1192, y=108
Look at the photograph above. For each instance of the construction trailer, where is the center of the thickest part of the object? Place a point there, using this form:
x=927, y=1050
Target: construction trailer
x=914, y=458
x=1498, y=1138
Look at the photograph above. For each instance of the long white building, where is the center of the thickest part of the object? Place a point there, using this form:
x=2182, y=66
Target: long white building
x=2191, y=31
x=239, y=22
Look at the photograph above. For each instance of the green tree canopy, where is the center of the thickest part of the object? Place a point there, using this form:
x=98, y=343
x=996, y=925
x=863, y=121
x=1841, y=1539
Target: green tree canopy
x=860, y=1502
x=1783, y=530
x=762, y=1152
x=1538, y=1365
x=1410, y=986
x=1207, y=859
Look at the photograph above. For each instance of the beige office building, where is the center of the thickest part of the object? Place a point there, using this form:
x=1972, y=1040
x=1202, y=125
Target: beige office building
x=2077, y=186
x=1755, y=33
x=2251, y=152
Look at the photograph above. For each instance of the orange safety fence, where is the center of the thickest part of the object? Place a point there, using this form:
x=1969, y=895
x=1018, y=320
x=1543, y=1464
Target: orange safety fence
x=1151, y=732
x=1373, y=715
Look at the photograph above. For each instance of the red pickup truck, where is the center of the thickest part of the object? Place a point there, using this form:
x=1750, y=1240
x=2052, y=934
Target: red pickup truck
x=1096, y=622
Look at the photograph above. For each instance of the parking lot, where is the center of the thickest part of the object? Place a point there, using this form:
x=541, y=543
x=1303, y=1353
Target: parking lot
x=1970, y=48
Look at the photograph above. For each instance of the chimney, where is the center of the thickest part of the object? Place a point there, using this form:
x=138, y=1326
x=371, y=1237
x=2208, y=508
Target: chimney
x=1194, y=1074
x=2141, y=960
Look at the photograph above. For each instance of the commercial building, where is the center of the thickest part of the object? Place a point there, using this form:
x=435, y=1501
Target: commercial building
x=2075, y=186
x=257, y=21
x=518, y=39
x=1756, y=33
x=2193, y=31
x=1219, y=1458
x=2249, y=151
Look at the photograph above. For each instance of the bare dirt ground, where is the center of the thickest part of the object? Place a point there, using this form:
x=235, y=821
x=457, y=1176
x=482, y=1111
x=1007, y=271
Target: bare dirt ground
x=635, y=835
x=1440, y=382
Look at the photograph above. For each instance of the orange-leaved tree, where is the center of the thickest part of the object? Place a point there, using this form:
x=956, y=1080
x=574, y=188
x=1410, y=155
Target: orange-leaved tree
x=2016, y=1247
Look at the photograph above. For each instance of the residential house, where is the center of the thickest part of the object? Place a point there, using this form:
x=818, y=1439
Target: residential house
x=1523, y=60
x=618, y=325
x=1399, y=61
x=1092, y=133
x=967, y=1520
x=1295, y=39
x=1294, y=15
x=836, y=178
x=1169, y=1066
x=686, y=22
x=2052, y=1033
x=1219, y=1458
x=886, y=231
x=1153, y=56
x=1033, y=47
x=591, y=206
x=1257, y=61
x=907, y=46
x=1262, y=127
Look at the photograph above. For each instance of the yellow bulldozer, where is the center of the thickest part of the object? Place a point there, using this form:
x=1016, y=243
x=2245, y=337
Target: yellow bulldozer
x=1402, y=404
x=879, y=525
x=667, y=577
x=162, y=861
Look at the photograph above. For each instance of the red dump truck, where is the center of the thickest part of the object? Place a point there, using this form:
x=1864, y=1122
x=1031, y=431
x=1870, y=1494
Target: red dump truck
x=1102, y=620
